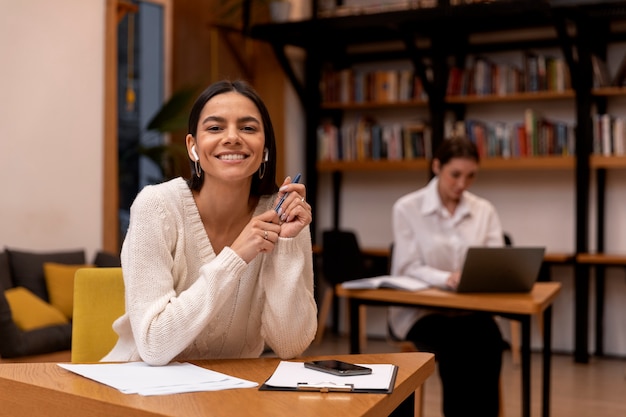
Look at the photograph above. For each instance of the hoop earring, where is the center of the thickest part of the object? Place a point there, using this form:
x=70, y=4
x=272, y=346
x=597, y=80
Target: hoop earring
x=198, y=168
x=262, y=170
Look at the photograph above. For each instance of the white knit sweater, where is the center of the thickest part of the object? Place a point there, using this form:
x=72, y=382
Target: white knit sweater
x=183, y=302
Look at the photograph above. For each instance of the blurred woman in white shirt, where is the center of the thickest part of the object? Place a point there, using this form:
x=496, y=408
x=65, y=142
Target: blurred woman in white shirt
x=433, y=227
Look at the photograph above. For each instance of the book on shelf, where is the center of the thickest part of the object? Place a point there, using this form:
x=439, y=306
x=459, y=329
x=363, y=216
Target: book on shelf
x=601, y=75
x=609, y=137
x=365, y=139
x=395, y=282
x=327, y=137
x=351, y=86
x=485, y=77
x=534, y=136
x=619, y=137
x=386, y=86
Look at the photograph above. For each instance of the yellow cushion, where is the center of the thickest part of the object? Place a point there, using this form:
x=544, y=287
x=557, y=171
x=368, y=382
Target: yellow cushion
x=60, y=284
x=31, y=312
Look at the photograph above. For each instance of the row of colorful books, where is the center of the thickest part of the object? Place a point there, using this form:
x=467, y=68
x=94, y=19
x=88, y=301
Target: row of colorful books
x=365, y=139
x=534, y=136
x=486, y=77
x=362, y=86
x=368, y=140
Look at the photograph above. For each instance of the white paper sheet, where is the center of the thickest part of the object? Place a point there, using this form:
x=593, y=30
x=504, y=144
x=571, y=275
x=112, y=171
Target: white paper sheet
x=143, y=379
x=289, y=374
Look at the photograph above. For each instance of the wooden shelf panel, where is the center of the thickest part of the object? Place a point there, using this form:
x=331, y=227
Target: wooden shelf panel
x=374, y=105
x=496, y=164
x=526, y=96
x=530, y=96
x=371, y=165
x=609, y=91
x=534, y=163
x=598, y=161
x=601, y=259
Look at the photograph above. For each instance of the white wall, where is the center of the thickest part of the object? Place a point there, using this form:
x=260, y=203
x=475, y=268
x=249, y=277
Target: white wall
x=51, y=124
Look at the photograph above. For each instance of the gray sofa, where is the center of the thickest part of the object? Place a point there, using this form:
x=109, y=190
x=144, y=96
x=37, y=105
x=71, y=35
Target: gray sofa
x=22, y=268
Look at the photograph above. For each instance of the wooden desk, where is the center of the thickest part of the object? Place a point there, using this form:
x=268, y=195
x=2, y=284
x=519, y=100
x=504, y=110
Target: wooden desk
x=28, y=389
x=514, y=306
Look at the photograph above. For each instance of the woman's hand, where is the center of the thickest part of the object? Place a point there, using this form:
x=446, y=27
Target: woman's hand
x=295, y=213
x=453, y=280
x=259, y=235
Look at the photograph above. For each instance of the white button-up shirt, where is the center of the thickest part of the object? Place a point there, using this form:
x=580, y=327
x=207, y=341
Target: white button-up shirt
x=430, y=243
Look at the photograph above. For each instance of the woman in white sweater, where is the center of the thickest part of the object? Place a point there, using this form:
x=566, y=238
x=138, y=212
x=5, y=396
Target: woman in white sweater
x=212, y=269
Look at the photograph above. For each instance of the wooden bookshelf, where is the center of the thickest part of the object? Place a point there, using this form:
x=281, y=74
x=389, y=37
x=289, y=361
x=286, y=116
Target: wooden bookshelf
x=415, y=35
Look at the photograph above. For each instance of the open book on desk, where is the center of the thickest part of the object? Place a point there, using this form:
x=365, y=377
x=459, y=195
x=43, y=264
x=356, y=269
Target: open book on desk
x=395, y=282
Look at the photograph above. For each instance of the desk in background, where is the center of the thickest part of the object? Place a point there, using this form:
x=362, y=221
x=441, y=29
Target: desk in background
x=29, y=389
x=510, y=305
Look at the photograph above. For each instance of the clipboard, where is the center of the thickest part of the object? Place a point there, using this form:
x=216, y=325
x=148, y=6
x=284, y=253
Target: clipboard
x=293, y=376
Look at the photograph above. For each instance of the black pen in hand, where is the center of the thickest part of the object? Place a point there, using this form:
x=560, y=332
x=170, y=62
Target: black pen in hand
x=282, y=199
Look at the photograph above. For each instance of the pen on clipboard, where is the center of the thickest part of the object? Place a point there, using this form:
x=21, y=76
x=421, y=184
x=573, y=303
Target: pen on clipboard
x=282, y=199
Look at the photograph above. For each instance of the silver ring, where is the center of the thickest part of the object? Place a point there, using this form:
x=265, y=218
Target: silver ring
x=302, y=199
x=265, y=236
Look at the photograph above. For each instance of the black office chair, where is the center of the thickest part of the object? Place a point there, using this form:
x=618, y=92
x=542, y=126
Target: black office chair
x=342, y=260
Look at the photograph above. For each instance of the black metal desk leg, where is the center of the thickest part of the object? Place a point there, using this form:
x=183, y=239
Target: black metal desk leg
x=525, y=366
x=581, y=313
x=599, y=279
x=547, y=360
x=355, y=345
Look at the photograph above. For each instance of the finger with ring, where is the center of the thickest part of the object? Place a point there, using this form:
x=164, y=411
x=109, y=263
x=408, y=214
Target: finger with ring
x=265, y=234
x=302, y=199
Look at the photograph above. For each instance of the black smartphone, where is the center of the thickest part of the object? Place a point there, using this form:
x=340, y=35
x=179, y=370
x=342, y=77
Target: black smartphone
x=336, y=367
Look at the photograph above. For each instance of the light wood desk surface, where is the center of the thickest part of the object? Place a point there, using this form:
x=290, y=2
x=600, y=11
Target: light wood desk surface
x=29, y=389
x=534, y=302
x=517, y=306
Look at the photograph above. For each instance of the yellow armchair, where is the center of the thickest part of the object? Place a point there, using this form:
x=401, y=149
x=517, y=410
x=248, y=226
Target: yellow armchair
x=98, y=302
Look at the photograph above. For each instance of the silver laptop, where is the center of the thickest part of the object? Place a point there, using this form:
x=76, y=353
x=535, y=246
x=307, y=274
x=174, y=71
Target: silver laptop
x=502, y=269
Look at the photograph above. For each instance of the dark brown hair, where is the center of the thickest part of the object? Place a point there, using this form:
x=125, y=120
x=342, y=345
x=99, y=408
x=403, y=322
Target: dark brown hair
x=456, y=147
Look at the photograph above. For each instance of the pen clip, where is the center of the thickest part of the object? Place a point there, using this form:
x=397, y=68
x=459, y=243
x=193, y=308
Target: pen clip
x=324, y=387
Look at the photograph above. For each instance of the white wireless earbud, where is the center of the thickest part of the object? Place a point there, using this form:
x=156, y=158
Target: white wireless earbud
x=195, y=154
x=266, y=155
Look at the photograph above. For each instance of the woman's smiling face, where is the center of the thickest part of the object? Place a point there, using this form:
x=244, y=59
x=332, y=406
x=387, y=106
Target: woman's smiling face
x=230, y=137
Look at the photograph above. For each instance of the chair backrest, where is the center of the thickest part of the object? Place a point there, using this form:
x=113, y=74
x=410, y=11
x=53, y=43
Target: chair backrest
x=342, y=259
x=98, y=302
x=508, y=241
